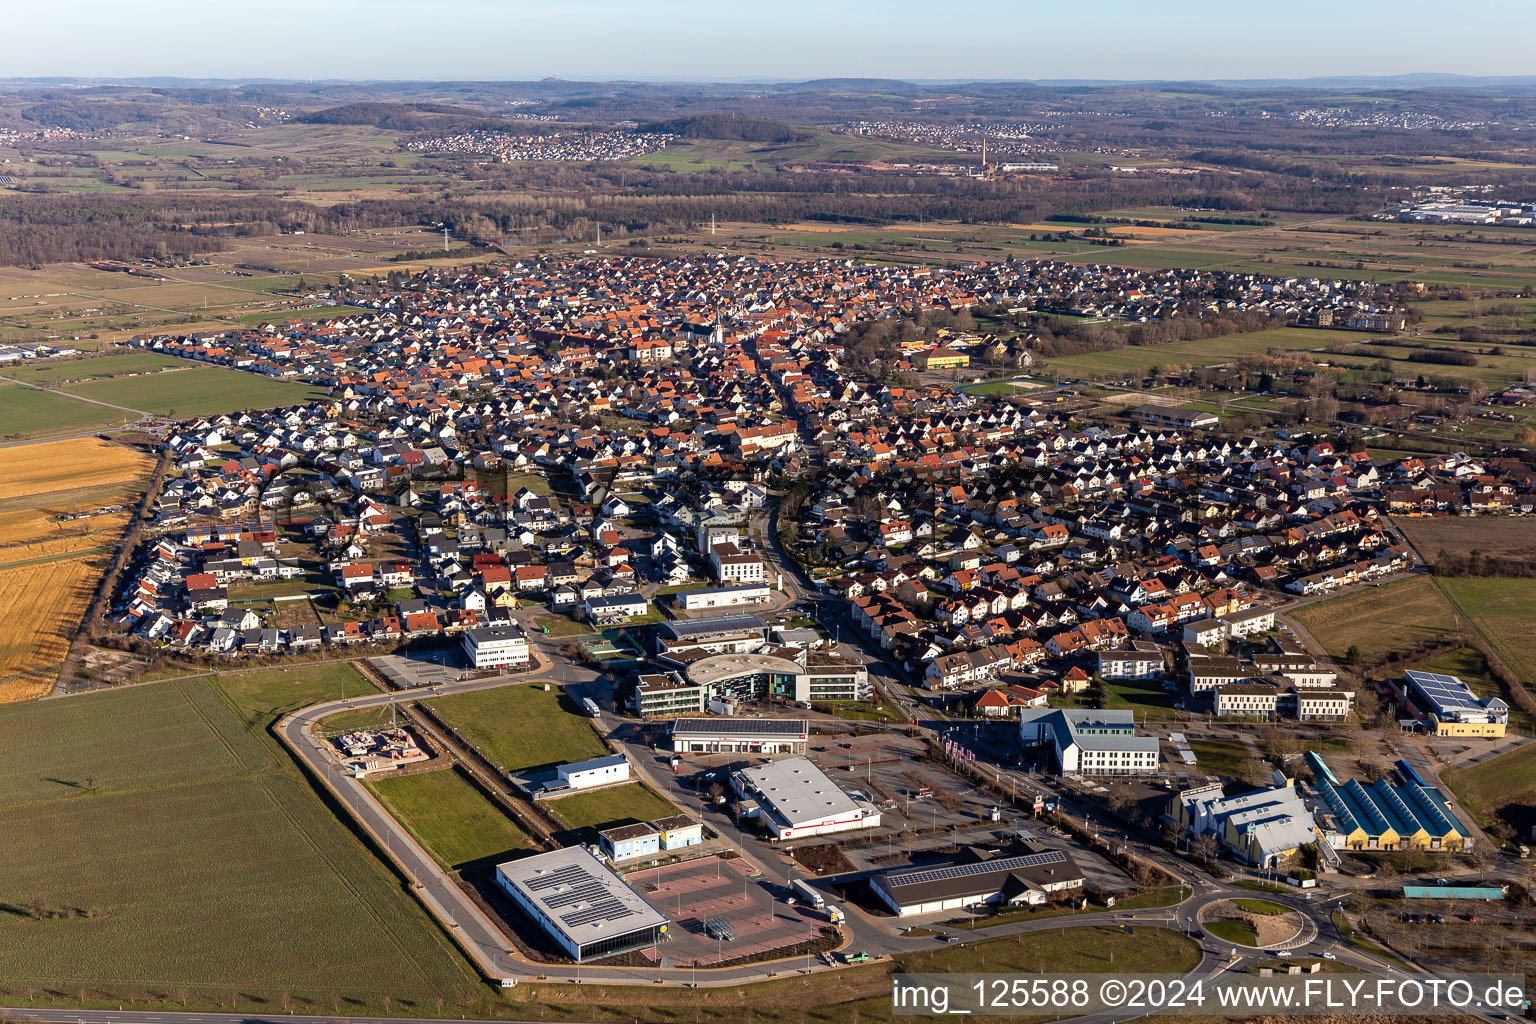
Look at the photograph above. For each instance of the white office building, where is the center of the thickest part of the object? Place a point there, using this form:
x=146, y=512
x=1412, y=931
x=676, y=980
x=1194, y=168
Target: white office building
x=496, y=647
x=796, y=799
x=1087, y=742
x=600, y=771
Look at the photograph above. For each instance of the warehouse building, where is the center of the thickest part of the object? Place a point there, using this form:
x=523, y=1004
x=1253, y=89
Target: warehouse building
x=976, y=877
x=794, y=799
x=585, y=909
x=750, y=736
x=600, y=771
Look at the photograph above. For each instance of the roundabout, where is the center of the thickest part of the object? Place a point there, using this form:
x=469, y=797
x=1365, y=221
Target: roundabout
x=1255, y=923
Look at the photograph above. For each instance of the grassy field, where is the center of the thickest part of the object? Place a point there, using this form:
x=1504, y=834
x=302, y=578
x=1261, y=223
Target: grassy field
x=1202, y=352
x=451, y=819
x=1233, y=929
x=197, y=391
x=95, y=367
x=1228, y=758
x=1264, y=907
x=1504, y=612
x=520, y=727
x=607, y=808
x=28, y=412
x=1500, y=790
x=164, y=849
x=1492, y=535
x=1380, y=618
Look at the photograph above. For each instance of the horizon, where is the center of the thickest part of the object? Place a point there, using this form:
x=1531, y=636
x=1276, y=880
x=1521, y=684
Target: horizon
x=603, y=40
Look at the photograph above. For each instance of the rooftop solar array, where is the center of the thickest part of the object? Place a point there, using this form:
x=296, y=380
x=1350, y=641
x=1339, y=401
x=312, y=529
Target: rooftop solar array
x=575, y=889
x=924, y=876
x=687, y=629
x=1448, y=696
x=751, y=727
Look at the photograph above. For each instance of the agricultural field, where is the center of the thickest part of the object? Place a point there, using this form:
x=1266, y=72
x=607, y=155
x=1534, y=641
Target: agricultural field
x=41, y=605
x=165, y=850
x=197, y=391
x=49, y=566
x=1391, y=617
x=607, y=808
x=521, y=727
x=37, y=469
x=94, y=367
x=1494, y=536
x=451, y=819
x=1200, y=352
x=1504, y=612
x=28, y=412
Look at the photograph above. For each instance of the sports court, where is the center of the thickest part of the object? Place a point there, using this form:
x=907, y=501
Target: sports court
x=728, y=892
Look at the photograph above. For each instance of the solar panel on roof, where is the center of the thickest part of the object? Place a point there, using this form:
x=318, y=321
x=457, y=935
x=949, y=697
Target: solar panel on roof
x=927, y=875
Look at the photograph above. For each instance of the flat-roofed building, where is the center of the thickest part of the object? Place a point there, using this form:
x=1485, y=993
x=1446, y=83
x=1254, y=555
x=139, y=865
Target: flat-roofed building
x=722, y=597
x=600, y=771
x=496, y=646
x=746, y=736
x=795, y=799
x=626, y=842
x=580, y=904
x=975, y=878
x=1087, y=742
x=778, y=673
x=1142, y=660
x=679, y=831
x=1246, y=700
x=1453, y=709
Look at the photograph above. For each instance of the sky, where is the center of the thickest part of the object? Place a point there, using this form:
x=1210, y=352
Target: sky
x=733, y=40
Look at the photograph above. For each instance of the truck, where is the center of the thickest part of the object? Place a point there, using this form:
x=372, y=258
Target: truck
x=809, y=896
x=835, y=914
x=589, y=706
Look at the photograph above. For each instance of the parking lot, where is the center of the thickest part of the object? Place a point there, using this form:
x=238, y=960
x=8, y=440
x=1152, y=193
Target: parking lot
x=727, y=892
x=420, y=668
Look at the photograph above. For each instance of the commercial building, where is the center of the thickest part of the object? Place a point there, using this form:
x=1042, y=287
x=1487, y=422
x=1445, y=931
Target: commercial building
x=1087, y=742
x=614, y=609
x=650, y=838
x=580, y=904
x=1450, y=708
x=1172, y=416
x=1381, y=816
x=751, y=736
x=600, y=771
x=700, y=678
x=722, y=597
x=627, y=842
x=725, y=634
x=794, y=799
x=1264, y=827
x=977, y=877
x=496, y=647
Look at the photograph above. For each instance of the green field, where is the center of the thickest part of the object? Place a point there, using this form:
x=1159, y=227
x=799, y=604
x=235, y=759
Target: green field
x=1499, y=783
x=1264, y=907
x=28, y=412
x=1504, y=612
x=1379, y=618
x=96, y=367
x=198, y=391
x=1470, y=666
x=1201, y=352
x=161, y=847
x=1229, y=758
x=607, y=808
x=451, y=819
x=1233, y=929
x=521, y=726
x=316, y=313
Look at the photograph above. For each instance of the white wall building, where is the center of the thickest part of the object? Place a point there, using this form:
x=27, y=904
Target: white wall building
x=496, y=647
x=797, y=799
x=600, y=771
